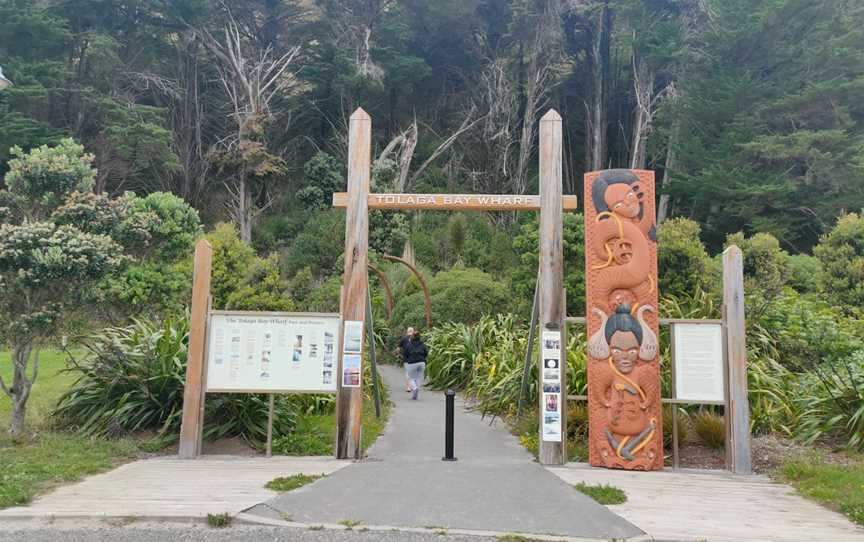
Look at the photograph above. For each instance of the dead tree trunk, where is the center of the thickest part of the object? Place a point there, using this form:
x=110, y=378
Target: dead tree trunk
x=643, y=87
x=669, y=165
x=600, y=81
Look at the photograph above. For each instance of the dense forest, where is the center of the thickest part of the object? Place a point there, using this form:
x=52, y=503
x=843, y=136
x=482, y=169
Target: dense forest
x=750, y=111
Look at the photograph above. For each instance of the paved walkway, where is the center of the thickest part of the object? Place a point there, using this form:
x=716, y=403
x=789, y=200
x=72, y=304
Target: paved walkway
x=168, y=487
x=494, y=486
x=716, y=506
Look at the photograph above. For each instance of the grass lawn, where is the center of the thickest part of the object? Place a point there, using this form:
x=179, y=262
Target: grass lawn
x=51, y=382
x=840, y=487
x=47, y=456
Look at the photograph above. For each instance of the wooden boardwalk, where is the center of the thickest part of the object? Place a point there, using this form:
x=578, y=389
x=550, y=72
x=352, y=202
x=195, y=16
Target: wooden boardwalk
x=716, y=506
x=173, y=488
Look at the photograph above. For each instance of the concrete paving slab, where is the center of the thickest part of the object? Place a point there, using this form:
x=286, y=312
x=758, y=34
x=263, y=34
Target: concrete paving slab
x=495, y=485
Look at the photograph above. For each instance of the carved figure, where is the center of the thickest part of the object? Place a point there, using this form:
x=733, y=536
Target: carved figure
x=624, y=233
x=624, y=392
x=621, y=273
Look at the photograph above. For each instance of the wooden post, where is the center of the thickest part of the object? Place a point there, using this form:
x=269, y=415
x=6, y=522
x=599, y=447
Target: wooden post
x=271, y=406
x=370, y=333
x=526, y=369
x=551, y=276
x=737, y=404
x=673, y=406
x=193, y=393
x=355, y=280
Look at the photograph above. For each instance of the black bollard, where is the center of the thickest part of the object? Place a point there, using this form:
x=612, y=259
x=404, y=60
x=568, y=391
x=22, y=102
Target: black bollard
x=449, y=412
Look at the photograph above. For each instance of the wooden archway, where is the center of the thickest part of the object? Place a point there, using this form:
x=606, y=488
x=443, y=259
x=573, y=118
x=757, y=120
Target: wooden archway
x=427, y=300
x=382, y=278
x=551, y=204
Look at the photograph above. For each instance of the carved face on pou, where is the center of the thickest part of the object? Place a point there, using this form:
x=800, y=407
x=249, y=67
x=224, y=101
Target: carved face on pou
x=623, y=199
x=624, y=347
x=626, y=333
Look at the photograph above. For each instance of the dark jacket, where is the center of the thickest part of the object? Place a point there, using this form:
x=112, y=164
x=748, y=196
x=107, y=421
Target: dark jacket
x=414, y=351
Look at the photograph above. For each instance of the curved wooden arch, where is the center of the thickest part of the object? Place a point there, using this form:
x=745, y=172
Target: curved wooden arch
x=428, y=300
x=382, y=278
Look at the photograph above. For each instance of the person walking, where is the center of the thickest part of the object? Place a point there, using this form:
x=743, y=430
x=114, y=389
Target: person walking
x=401, y=351
x=415, y=363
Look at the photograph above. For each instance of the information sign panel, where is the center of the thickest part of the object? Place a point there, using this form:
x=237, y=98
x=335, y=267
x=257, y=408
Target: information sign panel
x=698, y=352
x=272, y=352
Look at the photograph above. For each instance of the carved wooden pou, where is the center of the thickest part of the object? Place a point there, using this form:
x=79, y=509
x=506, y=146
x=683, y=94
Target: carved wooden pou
x=625, y=425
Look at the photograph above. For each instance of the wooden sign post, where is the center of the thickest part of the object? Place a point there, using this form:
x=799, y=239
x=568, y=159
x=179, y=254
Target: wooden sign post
x=349, y=400
x=550, y=283
x=737, y=405
x=193, y=393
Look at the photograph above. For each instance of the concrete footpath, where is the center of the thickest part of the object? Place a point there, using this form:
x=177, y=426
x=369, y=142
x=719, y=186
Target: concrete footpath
x=494, y=486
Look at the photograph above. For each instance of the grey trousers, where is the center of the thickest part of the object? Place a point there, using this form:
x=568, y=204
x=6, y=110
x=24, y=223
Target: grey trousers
x=414, y=372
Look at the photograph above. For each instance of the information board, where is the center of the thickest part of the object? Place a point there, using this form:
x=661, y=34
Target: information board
x=698, y=359
x=272, y=352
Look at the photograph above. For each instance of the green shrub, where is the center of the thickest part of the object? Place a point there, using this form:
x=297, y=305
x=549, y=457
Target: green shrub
x=682, y=259
x=324, y=176
x=325, y=296
x=841, y=252
x=318, y=245
x=172, y=224
x=231, y=260
x=458, y=295
x=807, y=331
x=132, y=379
x=832, y=401
x=766, y=269
x=805, y=273
x=262, y=289
x=711, y=428
x=151, y=289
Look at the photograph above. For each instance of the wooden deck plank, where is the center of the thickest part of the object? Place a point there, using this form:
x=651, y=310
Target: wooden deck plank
x=716, y=506
x=170, y=487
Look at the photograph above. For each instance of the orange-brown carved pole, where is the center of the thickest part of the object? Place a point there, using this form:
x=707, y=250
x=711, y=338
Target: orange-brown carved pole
x=417, y=274
x=382, y=278
x=625, y=425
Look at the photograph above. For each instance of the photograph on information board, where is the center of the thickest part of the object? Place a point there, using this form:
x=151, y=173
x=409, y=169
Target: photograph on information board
x=351, y=371
x=353, y=336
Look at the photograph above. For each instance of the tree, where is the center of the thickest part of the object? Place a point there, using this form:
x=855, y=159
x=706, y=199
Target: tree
x=64, y=249
x=252, y=78
x=45, y=268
